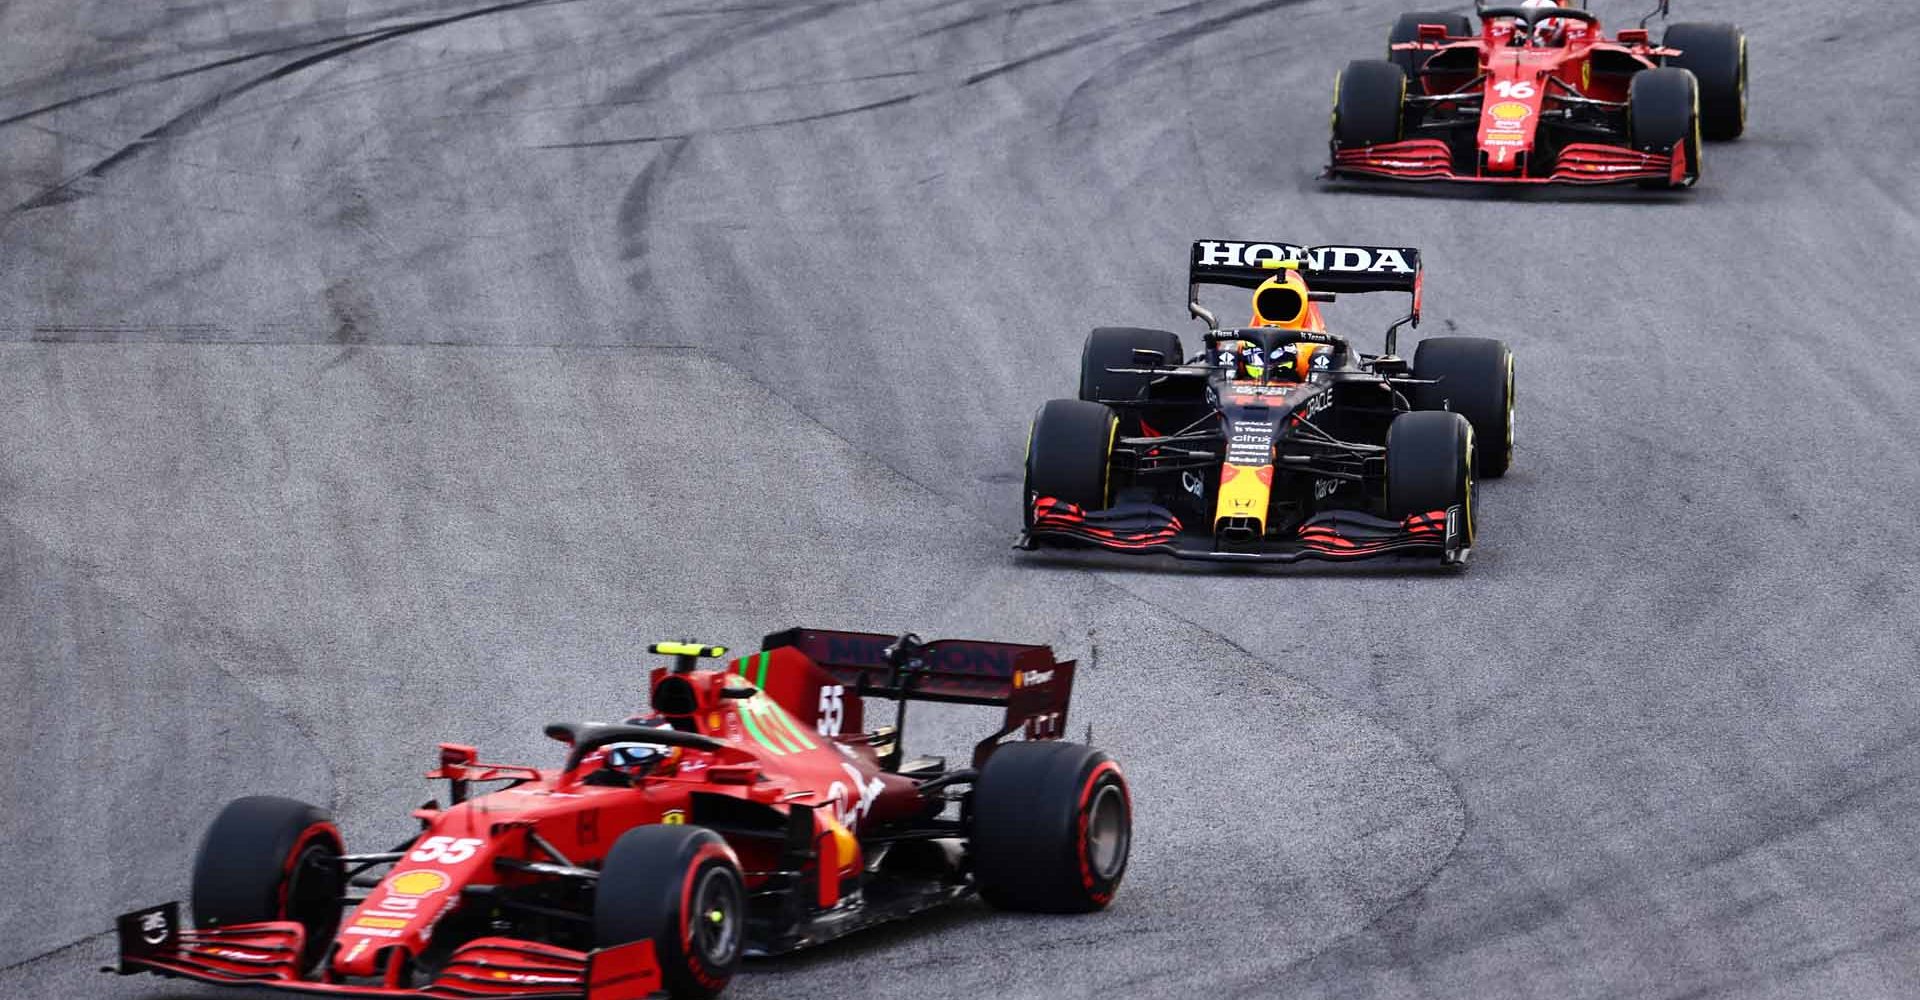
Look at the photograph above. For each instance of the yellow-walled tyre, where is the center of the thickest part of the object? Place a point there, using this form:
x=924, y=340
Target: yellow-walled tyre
x=1368, y=101
x=1069, y=455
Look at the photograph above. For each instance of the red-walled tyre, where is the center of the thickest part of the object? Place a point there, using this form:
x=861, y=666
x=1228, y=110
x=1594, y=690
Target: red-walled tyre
x=679, y=887
x=1050, y=826
x=268, y=858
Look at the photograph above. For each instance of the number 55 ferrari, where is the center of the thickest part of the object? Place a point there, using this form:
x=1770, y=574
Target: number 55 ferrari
x=750, y=811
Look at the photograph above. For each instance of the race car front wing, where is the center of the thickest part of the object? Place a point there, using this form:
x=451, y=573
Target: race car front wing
x=1333, y=535
x=267, y=955
x=1578, y=163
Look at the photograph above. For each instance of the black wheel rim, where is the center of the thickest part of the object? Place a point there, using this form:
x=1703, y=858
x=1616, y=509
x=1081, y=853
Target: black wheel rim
x=1108, y=832
x=716, y=917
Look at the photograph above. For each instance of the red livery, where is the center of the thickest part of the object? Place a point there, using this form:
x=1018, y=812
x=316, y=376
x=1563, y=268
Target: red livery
x=1539, y=94
x=750, y=811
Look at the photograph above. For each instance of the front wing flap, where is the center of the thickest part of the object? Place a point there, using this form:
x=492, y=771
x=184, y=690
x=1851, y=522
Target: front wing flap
x=1587, y=163
x=1334, y=535
x=267, y=955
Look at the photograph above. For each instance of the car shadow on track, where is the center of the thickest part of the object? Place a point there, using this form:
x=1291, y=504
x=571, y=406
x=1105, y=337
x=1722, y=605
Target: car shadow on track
x=931, y=924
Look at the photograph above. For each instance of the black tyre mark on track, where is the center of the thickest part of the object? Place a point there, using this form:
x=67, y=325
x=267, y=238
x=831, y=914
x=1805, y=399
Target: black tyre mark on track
x=638, y=204
x=182, y=74
x=629, y=95
x=985, y=15
x=191, y=118
x=1131, y=61
x=733, y=129
x=1073, y=44
x=642, y=87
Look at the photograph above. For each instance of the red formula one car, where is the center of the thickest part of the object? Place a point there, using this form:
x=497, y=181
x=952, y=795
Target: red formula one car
x=1539, y=95
x=750, y=812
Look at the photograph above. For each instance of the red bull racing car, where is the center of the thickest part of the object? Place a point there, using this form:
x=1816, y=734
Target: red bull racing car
x=1278, y=441
x=751, y=811
x=1539, y=95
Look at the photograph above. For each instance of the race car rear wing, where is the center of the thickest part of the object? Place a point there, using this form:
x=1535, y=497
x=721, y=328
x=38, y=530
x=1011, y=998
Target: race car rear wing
x=1332, y=268
x=1034, y=687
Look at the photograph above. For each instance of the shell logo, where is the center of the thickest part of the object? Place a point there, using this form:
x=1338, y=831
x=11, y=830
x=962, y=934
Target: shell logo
x=1509, y=111
x=420, y=883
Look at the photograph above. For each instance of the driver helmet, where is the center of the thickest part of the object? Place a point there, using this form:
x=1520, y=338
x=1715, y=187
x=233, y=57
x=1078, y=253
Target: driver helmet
x=1246, y=357
x=1548, y=31
x=637, y=758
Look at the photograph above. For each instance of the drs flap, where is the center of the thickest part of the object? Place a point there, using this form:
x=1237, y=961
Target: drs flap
x=1335, y=268
x=964, y=671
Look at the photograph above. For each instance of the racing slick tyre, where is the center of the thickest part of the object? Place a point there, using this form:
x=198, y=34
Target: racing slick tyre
x=1663, y=111
x=1407, y=29
x=1368, y=99
x=679, y=887
x=1113, y=347
x=1049, y=827
x=1070, y=454
x=1475, y=380
x=1429, y=466
x=268, y=858
x=1716, y=54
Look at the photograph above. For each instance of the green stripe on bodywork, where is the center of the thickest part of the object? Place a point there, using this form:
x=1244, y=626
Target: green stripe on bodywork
x=769, y=714
x=786, y=722
x=753, y=730
x=760, y=679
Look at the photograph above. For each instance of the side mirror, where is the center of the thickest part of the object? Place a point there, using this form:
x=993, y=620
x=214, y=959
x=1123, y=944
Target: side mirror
x=1433, y=32
x=1322, y=296
x=456, y=755
x=1634, y=36
x=1145, y=358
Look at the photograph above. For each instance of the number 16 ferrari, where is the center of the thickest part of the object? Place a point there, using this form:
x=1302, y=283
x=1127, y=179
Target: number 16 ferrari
x=1539, y=95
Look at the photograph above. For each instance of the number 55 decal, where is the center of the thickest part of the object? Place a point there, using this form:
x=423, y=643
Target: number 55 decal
x=833, y=709
x=446, y=850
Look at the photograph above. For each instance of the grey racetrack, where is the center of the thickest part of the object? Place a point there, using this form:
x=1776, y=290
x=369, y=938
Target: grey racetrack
x=381, y=372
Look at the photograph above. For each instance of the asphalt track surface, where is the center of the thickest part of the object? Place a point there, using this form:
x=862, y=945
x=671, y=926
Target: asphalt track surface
x=382, y=373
